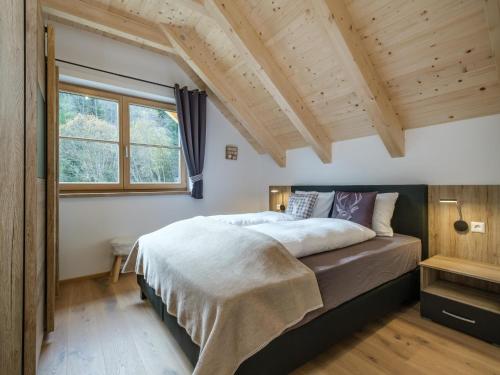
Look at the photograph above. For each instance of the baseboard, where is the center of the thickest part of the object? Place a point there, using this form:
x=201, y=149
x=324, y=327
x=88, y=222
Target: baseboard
x=86, y=277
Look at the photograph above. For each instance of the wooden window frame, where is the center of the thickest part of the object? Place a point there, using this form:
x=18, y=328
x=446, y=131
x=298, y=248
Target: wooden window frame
x=128, y=186
x=124, y=185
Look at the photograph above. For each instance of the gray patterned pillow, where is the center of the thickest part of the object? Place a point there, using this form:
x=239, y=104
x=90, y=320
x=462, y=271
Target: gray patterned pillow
x=302, y=205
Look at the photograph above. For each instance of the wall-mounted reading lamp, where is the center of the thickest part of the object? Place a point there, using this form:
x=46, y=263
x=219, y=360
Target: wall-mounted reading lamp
x=281, y=206
x=460, y=225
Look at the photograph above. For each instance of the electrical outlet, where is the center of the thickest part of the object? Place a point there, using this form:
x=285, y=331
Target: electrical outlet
x=478, y=227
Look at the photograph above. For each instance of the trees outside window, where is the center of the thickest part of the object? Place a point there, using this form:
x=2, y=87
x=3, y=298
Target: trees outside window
x=115, y=142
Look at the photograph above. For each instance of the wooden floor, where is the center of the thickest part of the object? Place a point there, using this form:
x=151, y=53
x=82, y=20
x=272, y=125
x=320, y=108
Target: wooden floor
x=107, y=329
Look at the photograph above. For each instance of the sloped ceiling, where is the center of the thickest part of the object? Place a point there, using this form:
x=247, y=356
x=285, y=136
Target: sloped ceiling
x=294, y=73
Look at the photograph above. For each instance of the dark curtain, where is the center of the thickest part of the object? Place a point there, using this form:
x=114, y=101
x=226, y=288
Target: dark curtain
x=191, y=111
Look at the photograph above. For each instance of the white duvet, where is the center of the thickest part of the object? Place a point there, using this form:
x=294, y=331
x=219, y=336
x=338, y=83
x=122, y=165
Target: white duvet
x=311, y=236
x=253, y=218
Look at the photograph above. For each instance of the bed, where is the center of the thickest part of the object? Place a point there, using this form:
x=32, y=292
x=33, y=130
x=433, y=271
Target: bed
x=344, y=312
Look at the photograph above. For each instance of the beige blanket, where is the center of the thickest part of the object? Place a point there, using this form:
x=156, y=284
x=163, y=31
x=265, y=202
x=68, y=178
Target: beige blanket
x=233, y=289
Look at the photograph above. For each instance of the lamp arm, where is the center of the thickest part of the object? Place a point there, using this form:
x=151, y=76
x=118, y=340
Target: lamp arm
x=459, y=209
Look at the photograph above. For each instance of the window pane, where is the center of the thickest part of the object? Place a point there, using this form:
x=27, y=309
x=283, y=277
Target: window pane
x=88, y=117
x=153, y=126
x=88, y=162
x=154, y=165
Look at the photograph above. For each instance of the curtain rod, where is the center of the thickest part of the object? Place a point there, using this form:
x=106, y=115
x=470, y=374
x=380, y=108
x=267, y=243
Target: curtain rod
x=115, y=74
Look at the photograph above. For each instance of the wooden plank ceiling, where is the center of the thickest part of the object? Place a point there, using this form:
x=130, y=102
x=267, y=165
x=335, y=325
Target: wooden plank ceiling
x=295, y=73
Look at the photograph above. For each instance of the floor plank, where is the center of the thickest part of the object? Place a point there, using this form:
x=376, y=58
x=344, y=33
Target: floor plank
x=104, y=328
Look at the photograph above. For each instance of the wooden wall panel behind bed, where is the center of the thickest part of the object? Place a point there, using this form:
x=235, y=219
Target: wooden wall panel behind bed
x=479, y=203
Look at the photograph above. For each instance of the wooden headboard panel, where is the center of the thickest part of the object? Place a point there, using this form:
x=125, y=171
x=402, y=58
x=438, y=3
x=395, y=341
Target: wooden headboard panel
x=410, y=214
x=479, y=203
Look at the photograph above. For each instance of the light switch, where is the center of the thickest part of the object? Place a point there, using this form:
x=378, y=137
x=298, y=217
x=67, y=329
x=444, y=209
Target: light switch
x=477, y=227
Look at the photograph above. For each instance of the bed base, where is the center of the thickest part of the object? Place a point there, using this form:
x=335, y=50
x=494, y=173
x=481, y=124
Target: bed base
x=298, y=346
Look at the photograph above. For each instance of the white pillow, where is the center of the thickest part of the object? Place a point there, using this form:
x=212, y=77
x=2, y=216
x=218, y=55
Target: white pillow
x=323, y=204
x=382, y=214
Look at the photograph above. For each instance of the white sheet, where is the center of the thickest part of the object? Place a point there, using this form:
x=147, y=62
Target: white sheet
x=311, y=236
x=253, y=218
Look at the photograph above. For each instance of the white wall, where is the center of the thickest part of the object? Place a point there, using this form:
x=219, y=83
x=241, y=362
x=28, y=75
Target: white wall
x=462, y=152
x=87, y=224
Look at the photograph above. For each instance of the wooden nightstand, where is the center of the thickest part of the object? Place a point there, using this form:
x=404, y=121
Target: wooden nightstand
x=467, y=309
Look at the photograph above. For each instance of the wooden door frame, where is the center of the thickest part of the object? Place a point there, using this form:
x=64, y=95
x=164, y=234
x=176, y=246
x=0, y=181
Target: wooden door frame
x=52, y=181
x=31, y=189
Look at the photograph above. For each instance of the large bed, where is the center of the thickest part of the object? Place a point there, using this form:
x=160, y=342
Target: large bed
x=358, y=284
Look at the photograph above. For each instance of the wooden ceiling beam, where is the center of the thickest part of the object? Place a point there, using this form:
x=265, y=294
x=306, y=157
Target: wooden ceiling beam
x=101, y=20
x=239, y=30
x=347, y=43
x=217, y=102
x=492, y=11
x=188, y=48
x=109, y=22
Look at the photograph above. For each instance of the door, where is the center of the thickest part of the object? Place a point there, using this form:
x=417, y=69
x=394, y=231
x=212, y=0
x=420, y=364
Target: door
x=12, y=142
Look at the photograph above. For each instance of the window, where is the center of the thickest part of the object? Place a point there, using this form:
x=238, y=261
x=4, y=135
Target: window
x=110, y=142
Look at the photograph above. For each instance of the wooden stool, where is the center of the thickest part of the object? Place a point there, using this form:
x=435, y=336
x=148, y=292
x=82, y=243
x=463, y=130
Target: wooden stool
x=121, y=248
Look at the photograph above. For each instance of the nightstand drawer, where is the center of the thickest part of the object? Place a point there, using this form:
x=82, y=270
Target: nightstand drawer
x=469, y=319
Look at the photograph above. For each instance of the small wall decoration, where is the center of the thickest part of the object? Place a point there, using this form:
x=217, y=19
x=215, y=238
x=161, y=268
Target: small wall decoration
x=231, y=152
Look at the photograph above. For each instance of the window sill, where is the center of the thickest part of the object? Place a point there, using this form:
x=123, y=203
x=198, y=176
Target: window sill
x=90, y=194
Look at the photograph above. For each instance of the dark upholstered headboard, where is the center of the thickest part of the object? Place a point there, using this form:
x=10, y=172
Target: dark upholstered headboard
x=410, y=214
